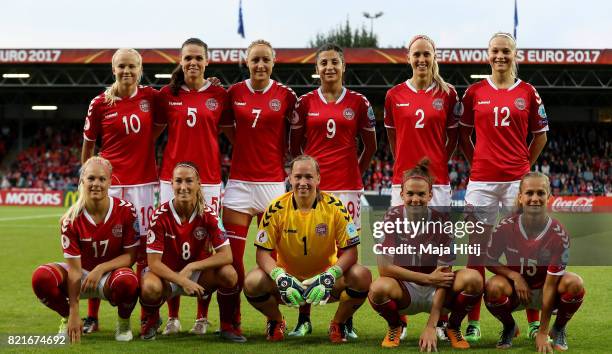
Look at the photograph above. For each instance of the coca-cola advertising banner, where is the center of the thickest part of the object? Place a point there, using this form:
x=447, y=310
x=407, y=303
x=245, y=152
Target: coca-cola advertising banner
x=31, y=197
x=572, y=204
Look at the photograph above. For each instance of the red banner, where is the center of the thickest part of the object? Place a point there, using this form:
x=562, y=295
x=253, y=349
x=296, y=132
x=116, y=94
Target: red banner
x=306, y=55
x=574, y=204
x=31, y=197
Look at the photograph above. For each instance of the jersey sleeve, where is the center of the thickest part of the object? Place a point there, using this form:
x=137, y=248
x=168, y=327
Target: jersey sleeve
x=70, y=240
x=298, y=118
x=291, y=100
x=131, y=231
x=538, y=122
x=454, y=109
x=559, y=253
x=367, y=119
x=346, y=231
x=388, y=113
x=216, y=231
x=156, y=233
x=93, y=120
x=268, y=229
x=467, y=116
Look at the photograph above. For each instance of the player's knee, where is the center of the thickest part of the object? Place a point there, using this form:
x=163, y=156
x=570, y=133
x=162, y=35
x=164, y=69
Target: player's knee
x=359, y=278
x=494, y=288
x=45, y=278
x=123, y=283
x=380, y=289
x=254, y=281
x=470, y=281
x=572, y=283
x=150, y=289
x=228, y=278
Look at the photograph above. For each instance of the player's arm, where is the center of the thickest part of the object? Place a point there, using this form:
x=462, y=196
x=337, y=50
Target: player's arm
x=75, y=327
x=452, y=135
x=158, y=129
x=221, y=257
x=440, y=277
x=368, y=137
x=125, y=260
x=87, y=150
x=465, y=142
x=520, y=284
x=296, y=140
x=536, y=146
x=264, y=260
x=391, y=139
x=549, y=293
x=428, y=339
x=229, y=132
x=161, y=270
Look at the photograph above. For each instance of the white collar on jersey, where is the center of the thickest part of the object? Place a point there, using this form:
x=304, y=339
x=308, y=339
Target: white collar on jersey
x=203, y=88
x=433, y=84
x=520, y=222
x=518, y=81
x=132, y=96
x=320, y=92
x=175, y=214
x=108, y=213
x=250, y=87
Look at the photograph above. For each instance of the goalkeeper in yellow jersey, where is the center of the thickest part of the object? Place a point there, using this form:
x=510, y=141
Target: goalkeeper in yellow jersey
x=305, y=228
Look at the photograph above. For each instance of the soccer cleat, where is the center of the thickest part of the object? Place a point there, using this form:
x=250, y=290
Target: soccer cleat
x=472, y=332
x=90, y=325
x=404, y=320
x=392, y=338
x=275, y=330
x=301, y=329
x=200, y=327
x=350, y=330
x=173, y=326
x=506, y=335
x=534, y=327
x=63, y=327
x=337, y=332
x=234, y=335
x=441, y=331
x=559, y=338
x=123, y=332
x=149, y=327
x=456, y=338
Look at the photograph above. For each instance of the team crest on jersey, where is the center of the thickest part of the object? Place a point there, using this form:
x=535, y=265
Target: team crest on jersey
x=519, y=103
x=150, y=238
x=212, y=104
x=262, y=236
x=348, y=114
x=117, y=230
x=65, y=242
x=438, y=104
x=199, y=233
x=275, y=105
x=321, y=230
x=87, y=124
x=144, y=105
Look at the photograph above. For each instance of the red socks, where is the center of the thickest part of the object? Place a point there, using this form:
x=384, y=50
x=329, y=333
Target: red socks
x=474, y=314
x=461, y=305
x=502, y=308
x=123, y=285
x=388, y=311
x=237, y=235
x=47, y=283
x=567, y=307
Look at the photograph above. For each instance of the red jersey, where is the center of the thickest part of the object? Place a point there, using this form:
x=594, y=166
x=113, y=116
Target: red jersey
x=420, y=119
x=533, y=258
x=261, y=130
x=330, y=132
x=193, y=127
x=100, y=243
x=502, y=118
x=183, y=243
x=126, y=129
x=422, y=258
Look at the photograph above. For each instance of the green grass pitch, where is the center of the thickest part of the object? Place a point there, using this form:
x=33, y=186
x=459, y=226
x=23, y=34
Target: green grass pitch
x=30, y=237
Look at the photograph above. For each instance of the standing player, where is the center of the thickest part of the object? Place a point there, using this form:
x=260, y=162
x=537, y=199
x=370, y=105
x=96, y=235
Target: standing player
x=191, y=108
x=421, y=282
x=187, y=252
x=305, y=228
x=326, y=124
x=258, y=114
x=99, y=239
x=503, y=110
x=536, y=248
x=122, y=117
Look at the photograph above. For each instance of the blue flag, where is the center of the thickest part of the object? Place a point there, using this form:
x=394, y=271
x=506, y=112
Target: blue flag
x=515, y=18
x=240, y=21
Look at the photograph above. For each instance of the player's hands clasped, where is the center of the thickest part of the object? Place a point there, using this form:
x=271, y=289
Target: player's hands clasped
x=91, y=280
x=522, y=289
x=291, y=289
x=319, y=287
x=192, y=288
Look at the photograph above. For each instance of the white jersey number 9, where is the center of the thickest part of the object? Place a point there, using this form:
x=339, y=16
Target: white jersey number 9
x=191, y=112
x=331, y=128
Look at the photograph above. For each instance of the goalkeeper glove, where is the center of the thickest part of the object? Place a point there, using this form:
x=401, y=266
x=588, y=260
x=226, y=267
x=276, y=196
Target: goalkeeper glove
x=290, y=288
x=320, y=286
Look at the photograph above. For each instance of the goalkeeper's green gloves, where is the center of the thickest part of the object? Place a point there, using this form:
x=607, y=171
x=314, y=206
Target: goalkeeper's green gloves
x=291, y=290
x=319, y=287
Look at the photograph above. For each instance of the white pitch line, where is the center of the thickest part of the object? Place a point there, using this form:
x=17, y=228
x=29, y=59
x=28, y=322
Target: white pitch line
x=31, y=217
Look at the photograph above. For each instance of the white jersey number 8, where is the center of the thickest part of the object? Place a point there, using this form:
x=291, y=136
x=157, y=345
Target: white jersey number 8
x=186, y=251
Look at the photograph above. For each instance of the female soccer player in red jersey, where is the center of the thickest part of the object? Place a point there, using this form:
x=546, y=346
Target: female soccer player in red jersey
x=99, y=236
x=191, y=108
x=187, y=253
x=325, y=125
x=122, y=117
x=258, y=116
x=536, y=249
x=503, y=110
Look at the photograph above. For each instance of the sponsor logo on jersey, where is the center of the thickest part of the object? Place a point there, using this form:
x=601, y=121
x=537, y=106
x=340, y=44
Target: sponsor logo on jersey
x=295, y=117
x=402, y=104
x=313, y=114
x=291, y=231
x=483, y=102
x=111, y=115
x=87, y=124
x=275, y=105
x=519, y=103
x=458, y=109
x=173, y=103
x=262, y=236
x=438, y=104
x=144, y=105
x=117, y=230
x=321, y=230
x=348, y=114
x=212, y=104
x=150, y=238
x=239, y=103
x=199, y=233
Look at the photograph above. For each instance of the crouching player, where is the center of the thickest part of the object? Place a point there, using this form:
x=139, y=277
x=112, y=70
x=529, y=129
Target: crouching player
x=99, y=239
x=536, y=247
x=421, y=282
x=182, y=236
x=303, y=227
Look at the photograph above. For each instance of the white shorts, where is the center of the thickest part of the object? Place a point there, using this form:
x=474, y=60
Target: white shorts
x=251, y=197
x=143, y=198
x=212, y=194
x=421, y=298
x=535, y=301
x=98, y=292
x=352, y=202
x=488, y=197
x=441, y=195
